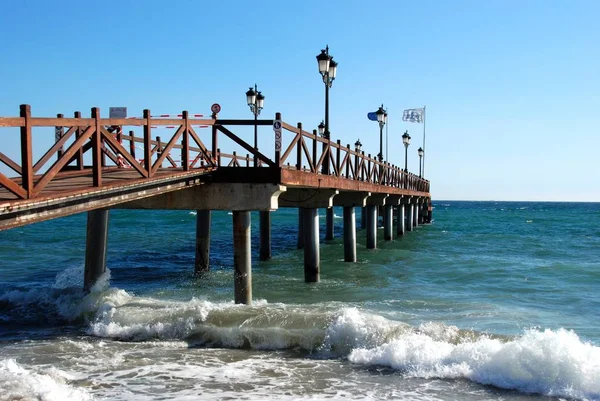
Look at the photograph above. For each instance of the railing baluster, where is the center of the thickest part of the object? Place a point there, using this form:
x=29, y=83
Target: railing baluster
x=314, y=151
x=299, y=148
x=185, y=142
x=26, y=151
x=97, y=149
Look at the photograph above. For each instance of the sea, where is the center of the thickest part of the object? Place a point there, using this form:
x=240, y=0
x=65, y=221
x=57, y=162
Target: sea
x=492, y=301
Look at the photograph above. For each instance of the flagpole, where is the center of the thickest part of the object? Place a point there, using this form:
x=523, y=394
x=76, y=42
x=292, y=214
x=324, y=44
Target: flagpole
x=424, y=153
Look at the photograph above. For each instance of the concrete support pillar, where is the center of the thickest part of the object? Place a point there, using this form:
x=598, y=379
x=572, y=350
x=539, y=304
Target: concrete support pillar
x=203, y=218
x=95, y=247
x=349, y=234
x=409, y=217
x=329, y=224
x=242, y=259
x=363, y=217
x=371, y=227
x=416, y=215
x=312, y=260
x=401, y=224
x=388, y=218
x=300, y=228
x=265, y=235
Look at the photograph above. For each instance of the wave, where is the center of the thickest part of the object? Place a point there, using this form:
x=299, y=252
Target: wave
x=548, y=362
x=19, y=383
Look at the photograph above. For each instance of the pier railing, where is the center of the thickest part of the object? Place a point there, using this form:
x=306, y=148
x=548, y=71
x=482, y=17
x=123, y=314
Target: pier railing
x=94, y=146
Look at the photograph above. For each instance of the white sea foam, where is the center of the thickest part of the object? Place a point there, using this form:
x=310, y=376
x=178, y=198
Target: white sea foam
x=554, y=363
x=19, y=383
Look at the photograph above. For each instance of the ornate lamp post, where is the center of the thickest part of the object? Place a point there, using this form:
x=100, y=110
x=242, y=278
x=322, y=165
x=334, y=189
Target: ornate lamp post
x=381, y=119
x=421, y=153
x=256, y=102
x=321, y=128
x=327, y=69
x=406, y=142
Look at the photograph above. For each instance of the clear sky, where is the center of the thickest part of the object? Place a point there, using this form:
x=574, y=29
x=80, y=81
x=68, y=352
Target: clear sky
x=512, y=88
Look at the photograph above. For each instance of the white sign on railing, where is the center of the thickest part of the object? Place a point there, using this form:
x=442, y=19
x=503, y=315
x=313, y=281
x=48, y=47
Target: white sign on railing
x=117, y=112
x=277, y=129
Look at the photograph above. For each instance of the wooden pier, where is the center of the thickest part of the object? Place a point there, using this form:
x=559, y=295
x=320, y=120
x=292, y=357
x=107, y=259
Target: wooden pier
x=92, y=165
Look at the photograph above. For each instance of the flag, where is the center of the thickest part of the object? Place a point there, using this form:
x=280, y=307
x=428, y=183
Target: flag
x=372, y=116
x=413, y=115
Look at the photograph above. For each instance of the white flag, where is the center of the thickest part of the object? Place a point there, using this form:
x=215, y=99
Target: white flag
x=413, y=115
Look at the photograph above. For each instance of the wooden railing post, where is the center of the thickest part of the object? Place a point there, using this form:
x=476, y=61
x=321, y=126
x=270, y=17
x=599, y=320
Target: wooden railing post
x=337, y=158
x=362, y=171
x=314, y=151
x=147, y=143
x=348, y=162
x=26, y=151
x=278, y=152
x=97, y=149
x=185, y=143
x=59, y=131
x=79, y=157
x=369, y=168
x=132, y=144
x=218, y=151
x=299, y=148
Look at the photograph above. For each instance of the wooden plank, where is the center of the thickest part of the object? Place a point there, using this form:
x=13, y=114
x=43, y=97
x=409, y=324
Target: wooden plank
x=12, y=121
x=10, y=163
x=290, y=148
x=118, y=147
x=12, y=186
x=167, y=149
x=243, y=122
x=59, y=164
x=243, y=144
x=67, y=122
x=53, y=149
x=308, y=156
x=202, y=148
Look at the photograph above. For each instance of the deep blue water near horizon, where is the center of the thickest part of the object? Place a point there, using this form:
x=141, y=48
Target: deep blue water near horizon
x=494, y=300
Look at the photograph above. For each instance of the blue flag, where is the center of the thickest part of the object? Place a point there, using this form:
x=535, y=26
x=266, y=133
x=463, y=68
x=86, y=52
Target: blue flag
x=372, y=116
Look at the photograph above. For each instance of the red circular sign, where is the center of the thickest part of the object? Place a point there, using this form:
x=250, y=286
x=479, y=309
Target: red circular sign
x=215, y=108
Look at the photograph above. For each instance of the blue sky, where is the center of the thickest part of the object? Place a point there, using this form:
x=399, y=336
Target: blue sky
x=512, y=87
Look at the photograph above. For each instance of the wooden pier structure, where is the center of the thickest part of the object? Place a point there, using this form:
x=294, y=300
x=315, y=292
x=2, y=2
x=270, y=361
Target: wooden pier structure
x=93, y=165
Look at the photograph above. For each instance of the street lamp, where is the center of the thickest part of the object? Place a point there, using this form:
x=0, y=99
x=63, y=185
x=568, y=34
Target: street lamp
x=381, y=119
x=421, y=153
x=357, y=145
x=321, y=128
x=406, y=142
x=327, y=69
x=256, y=101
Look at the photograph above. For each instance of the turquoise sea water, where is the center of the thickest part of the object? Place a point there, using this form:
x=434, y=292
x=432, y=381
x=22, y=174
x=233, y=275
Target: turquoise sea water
x=494, y=300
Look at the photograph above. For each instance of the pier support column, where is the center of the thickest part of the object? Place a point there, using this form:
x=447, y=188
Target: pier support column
x=409, y=217
x=242, y=259
x=416, y=214
x=400, y=221
x=311, y=245
x=363, y=217
x=300, y=228
x=203, y=218
x=349, y=234
x=265, y=235
x=329, y=224
x=371, y=227
x=388, y=218
x=95, y=247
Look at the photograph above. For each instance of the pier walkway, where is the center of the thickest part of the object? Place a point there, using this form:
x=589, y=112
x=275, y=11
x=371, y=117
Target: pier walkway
x=65, y=165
